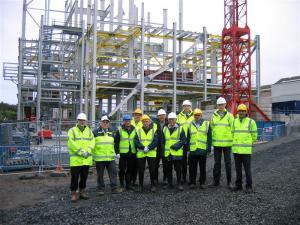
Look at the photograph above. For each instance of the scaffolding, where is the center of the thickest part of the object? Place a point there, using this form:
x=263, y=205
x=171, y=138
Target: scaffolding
x=97, y=61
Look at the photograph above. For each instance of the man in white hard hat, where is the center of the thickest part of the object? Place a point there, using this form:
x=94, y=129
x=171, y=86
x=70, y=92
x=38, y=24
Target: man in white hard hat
x=173, y=141
x=160, y=124
x=184, y=118
x=104, y=156
x=80, y=143
x=221, y=126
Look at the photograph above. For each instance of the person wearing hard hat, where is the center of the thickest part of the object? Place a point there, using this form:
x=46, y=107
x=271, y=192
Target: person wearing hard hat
x=160, y=124
x=137, y=123
x=173, y=141
x=104, y=156
x=80, y=144
x=221, y=125
x=184, y=118
x=145, y=142
x=244, y=136
x=124, y=144
x=136, y=120
x=199, y=142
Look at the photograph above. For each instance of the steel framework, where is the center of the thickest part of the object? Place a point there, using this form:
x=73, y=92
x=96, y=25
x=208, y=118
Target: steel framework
x=95, y=58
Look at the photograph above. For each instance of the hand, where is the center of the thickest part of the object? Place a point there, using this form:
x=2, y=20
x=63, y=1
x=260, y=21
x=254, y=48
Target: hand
x=117, y=156
x=85, y=154
x=146, y=149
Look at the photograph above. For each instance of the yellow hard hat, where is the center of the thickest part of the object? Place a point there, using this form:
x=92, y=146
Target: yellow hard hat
x=137, y=111
x=145, y=117
x=242, y=107
x=197, y=112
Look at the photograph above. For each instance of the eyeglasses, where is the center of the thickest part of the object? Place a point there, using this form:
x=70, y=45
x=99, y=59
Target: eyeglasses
x=105, y=121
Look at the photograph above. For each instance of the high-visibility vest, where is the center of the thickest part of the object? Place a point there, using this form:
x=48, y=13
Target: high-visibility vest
x=125, y=140
x=222, y=129
x=244, y=135
x=198, y=136
x=146, y=139
x=171, y=139
x=136, y=125
x=184, y=121
x=104, y=147
x=78, y=142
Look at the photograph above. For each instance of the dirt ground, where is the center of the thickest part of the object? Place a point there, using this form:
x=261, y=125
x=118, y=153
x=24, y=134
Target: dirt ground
x=275, y=168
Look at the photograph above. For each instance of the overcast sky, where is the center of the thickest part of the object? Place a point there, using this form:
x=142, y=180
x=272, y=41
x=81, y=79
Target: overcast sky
x=276, y=21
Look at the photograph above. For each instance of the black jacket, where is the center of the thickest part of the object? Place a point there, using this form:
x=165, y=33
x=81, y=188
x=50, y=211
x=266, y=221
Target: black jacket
x=140, y=146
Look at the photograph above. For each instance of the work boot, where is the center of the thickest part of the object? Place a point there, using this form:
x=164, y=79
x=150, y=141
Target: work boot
x=153, y=189
x=192, y=186
x=248, y=190
x=229, y=186
x=180, y=188
x=100, y=192
x=73, y=196
x=116, y=190
x=214, y=184
x=83, y=194
x=202, y=186
x=237, y=188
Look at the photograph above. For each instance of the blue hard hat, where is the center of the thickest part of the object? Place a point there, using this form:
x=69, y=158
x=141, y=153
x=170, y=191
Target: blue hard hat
x=127, y=117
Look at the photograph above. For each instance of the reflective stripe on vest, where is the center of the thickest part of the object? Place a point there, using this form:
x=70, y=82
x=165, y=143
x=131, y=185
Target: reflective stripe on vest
x=171, y=139
x=126, y=140
x=82, y=139
x=198, y=136
x=242, y=138
x=104, y=148
x=221, y=130
x=146, y=140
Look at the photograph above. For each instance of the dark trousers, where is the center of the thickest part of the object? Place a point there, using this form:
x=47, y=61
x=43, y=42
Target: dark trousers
x=126, y=166
x=169, y=169
x=217, y=167
x=156, y=173
x=77, y=172
x=194, y=160
x=134, y=171
x=112, y=173
x=142, y=165
x=184, y=164
x=243, y=160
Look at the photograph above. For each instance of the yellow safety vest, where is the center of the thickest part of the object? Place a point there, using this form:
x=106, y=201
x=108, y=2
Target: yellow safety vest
x=136, y=125
x=198, y=136
x=171, y=139
x=222, y=129
x=104, y=148
x=78, y=142
x=125, y=140
x=184, y=121
x=244, y=135
x=146, y=139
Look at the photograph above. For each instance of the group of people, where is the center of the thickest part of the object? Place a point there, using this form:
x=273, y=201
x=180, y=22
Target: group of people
x=180, y=141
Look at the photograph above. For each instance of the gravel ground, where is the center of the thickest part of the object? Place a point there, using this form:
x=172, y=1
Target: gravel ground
x=275, y=168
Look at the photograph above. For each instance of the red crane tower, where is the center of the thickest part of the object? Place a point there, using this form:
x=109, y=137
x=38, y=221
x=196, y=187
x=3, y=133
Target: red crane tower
x=236, y=55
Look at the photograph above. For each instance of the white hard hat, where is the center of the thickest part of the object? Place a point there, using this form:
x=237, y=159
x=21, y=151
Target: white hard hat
x=161, y=112
x=187, y=102
x=221, y=100
x=172, y=115
x=105, y=118
x=81, y=116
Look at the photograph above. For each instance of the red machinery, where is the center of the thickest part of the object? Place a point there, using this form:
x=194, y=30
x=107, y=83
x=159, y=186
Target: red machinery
x=236, y=58
x=236, y=55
